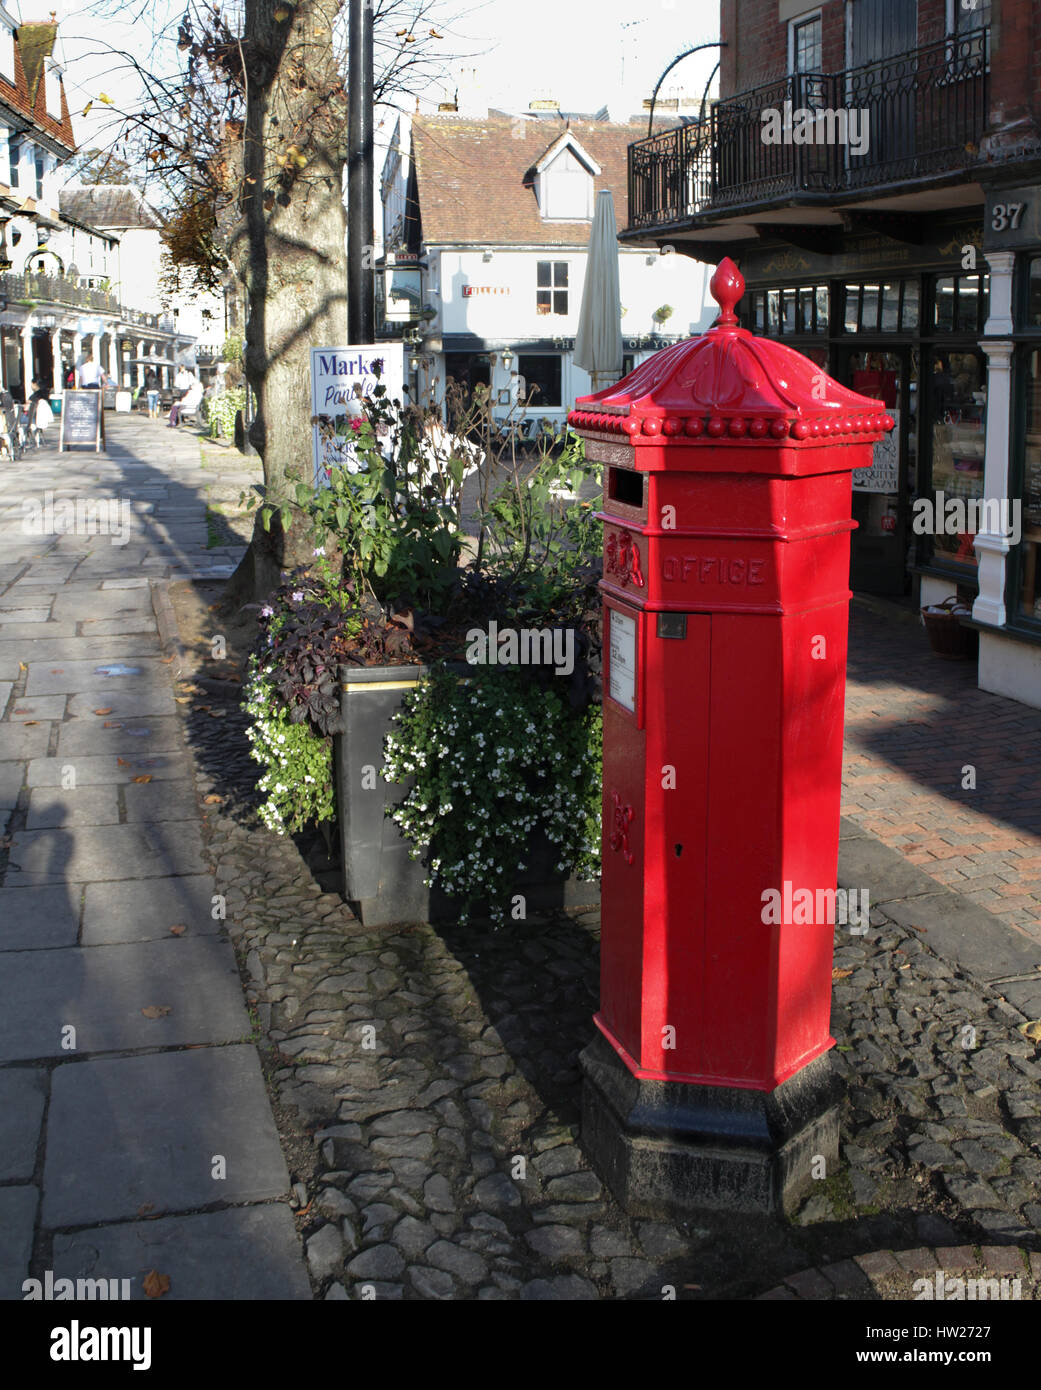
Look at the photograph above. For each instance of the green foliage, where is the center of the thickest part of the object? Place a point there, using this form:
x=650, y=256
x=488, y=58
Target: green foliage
x=233, y=349
x=221, y=410
x=393, y=508
x=297, y=781
x=497, y=759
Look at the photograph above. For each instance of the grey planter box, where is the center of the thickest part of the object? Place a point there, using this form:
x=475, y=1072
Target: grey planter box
x=382, y=884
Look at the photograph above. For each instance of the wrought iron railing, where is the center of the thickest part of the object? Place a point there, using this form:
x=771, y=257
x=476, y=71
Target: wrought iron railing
x=922, y=113
x=35, y=289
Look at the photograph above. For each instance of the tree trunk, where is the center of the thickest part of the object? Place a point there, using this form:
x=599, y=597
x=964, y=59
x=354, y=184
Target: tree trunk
x=289, y=251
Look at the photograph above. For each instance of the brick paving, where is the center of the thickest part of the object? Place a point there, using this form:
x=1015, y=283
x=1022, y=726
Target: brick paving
x=914, y=722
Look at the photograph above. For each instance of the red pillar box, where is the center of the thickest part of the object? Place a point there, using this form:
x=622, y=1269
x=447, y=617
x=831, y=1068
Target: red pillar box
x=727, y=499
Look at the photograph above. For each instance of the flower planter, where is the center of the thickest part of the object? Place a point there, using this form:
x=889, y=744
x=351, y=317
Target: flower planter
x=382, y=884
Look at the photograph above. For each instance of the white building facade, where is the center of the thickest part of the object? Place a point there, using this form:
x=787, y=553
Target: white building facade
x=486, y=228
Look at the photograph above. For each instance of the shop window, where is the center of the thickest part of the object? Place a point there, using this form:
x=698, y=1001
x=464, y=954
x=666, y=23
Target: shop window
x=956, y=383
x=542, y=379
x=551, y=294
x=1028, y=604
x=960, y=303
x=783, y=312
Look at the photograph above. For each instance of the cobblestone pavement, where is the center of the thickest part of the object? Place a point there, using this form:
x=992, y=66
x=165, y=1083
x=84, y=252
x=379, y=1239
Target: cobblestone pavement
x=914, y=722
x=436, y=1073
x=136, y=1133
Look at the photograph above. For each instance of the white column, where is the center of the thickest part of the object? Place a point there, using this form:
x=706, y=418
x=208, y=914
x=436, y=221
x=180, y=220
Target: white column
x=77, y=348
x=56, y=358
x=27, y=360
x=110, y=357
x=992, y=546
x=140, y=369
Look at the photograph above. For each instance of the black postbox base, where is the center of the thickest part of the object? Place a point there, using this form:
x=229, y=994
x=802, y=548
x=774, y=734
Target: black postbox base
x=666, y=1148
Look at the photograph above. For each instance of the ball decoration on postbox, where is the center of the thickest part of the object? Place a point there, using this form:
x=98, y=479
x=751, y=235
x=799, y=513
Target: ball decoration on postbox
x=728, y=464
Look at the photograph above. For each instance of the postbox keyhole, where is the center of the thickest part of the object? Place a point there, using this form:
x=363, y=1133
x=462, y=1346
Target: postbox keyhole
x=679, y=850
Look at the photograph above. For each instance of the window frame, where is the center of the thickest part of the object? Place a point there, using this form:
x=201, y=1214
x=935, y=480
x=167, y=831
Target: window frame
x=553, y=289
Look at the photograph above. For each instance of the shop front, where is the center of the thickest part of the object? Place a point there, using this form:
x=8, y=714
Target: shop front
x=900, y=322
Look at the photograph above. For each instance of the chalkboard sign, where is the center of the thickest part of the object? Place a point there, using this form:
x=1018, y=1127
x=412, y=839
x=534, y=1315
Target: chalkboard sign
x=81, y=419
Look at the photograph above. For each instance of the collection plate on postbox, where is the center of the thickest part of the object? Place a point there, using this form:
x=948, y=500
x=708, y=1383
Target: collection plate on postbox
x=727, y=517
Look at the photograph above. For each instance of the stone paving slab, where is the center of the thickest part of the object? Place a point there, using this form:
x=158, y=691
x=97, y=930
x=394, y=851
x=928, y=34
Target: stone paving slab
x=23, y=1094
x=131, y=1131
x=39, y=918
x=5, y=692
x=121, y=704
x=160, y=801
x=76, y=652
x=105, y=853
x=145, y=673
x=12, y=779
x=17, y=1217
x=249, y=1253
x=141, y=735
x=86, y=806
x=135, y=761
x=44, y=707
x=146, y=910
x=19, y=743
x=102, y=990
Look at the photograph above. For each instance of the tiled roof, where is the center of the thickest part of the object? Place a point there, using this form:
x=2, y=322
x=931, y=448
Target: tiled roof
x=27, y=95
x=474, y=177
x=111, y=206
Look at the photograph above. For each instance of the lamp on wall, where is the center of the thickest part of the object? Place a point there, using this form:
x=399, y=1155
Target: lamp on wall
x=507, y=359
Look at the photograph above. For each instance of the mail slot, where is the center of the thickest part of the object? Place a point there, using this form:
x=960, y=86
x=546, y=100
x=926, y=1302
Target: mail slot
x=727, y=520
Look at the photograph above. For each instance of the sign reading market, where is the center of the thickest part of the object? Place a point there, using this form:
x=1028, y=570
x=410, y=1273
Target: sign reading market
x=340, y=377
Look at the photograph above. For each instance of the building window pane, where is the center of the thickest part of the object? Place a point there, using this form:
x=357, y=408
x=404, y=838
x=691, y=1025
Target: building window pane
x=945, y=304
x=560, y=274
x=1034, y=293
x=822, y=308
x=759, y=300
x=806, y=46
x=852, y=307
x=909, y=314
x=14, y=150
x=869, y=308
x=544, y=274
x=560, y=301
x=890, y=308
x=968, y=303
x=805, y=323
x=542, y=379
x=788, y=311
x=773, y=311
x=958, y=411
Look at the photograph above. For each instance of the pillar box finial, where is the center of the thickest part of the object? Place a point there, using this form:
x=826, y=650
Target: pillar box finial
x=727, y=286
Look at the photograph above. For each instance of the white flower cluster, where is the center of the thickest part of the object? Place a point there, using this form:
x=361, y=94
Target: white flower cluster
x=449, y=739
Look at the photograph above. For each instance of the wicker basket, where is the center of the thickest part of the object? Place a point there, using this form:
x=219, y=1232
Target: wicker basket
x=948, y=635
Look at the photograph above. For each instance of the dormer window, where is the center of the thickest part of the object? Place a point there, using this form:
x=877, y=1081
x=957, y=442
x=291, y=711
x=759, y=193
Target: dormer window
x=564, y=182
x=7, y=53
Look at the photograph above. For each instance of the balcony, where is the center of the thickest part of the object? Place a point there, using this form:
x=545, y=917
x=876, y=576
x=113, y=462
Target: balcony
x=923, y=115
x=30, y=289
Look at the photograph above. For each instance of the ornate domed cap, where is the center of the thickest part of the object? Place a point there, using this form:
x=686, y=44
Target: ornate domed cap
x=729, y=384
